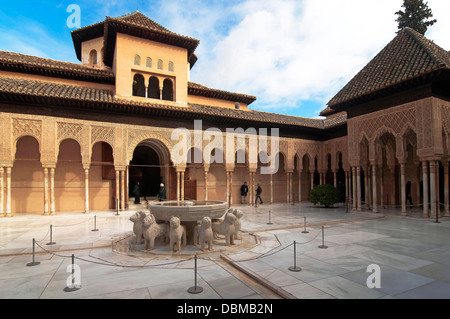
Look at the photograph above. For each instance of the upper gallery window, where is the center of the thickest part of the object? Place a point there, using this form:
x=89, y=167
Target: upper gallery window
x=149, y=63
x=171, y=66
x=137, y=60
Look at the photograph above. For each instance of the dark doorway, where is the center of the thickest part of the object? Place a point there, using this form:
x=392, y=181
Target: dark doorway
x=145, y=168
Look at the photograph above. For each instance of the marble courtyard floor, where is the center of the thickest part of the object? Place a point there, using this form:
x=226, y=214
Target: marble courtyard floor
x=413, y=254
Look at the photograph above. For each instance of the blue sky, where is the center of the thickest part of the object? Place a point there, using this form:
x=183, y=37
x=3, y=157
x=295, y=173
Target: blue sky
x=294, y=55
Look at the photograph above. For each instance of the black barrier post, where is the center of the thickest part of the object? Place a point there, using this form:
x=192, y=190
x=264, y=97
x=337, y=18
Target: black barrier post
x=51, y=236
x=73, y=287
x=304, y=222
x=95, y=223
x=33, y=263
x=269, y=223
x=295, y=268
x=117, y=207
x=323, y=243
x=195, y=289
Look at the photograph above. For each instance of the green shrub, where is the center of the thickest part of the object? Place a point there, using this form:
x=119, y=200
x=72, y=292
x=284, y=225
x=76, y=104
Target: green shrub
x=325, y=194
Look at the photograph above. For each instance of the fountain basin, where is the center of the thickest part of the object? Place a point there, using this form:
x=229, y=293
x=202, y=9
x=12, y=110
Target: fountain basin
x=187, y=211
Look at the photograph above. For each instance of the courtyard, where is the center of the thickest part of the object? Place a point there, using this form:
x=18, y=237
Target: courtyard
x=413, y=255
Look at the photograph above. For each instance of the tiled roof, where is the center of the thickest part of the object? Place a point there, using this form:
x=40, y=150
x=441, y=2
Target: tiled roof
x=135, y=24
x=407, y=57
x=16, y=62
x=38, y=92
x=201, y=90
x=139, y=19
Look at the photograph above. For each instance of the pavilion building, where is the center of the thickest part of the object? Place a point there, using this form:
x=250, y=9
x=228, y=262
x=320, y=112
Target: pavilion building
x=78, y=137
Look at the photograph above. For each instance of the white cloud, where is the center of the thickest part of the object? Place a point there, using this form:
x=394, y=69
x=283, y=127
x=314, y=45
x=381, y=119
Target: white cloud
x=285, y=51
x=288, y=51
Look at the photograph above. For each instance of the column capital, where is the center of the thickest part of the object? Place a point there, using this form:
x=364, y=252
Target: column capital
x=48, y=165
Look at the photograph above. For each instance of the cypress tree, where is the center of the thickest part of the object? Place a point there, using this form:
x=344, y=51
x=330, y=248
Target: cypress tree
x=416, y=15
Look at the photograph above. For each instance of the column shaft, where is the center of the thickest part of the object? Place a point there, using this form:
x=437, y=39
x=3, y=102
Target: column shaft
x=425, y=189
x=86, y=191
x=374, y=189
x=403, y=188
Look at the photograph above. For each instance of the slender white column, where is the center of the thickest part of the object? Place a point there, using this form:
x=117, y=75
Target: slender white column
x=381, y=187
x=122, y=190
x=403, y=186
x=117, y=204
x=425, y=189
x=271, y=189
x=374, y=189
x=228, y=188
x=358, y=188
x=86, y=191
x=8, y=192
x=288, y=199
x=300, y=186
x=182, y=185
x=354, y=199
x=367, y=187
x=2, y=191
x=206, y=185
x=46, y=198
x=178, y=186
x=446, y=190
x=52, y=191
x=433, y=210
x=231, y=188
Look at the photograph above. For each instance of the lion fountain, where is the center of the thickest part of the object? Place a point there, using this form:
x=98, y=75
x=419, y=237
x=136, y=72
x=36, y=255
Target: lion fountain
x=179, y=228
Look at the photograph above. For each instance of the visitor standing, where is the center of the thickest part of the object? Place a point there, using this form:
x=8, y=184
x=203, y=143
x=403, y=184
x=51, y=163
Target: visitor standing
x=244, y=191
x=162, y=192
x=258, y=194
x=137, y=193
x=408, y=194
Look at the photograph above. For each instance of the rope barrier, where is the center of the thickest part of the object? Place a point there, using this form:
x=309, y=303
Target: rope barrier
x=107, y=263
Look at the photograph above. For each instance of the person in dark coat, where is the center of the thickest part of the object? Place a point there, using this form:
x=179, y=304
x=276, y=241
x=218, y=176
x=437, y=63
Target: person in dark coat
x=244, y=191
x=258, y=194
x=408, y=194
x=162, y=192
x=137, y=193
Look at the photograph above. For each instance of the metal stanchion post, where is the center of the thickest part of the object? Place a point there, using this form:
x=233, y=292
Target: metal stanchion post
x=33, y=263
x=95, y=223
x=295, y=268
x=195, y=289
x=72, y=287
x=304, y=222
x=51, y=236
x=269, y=223
x=323, y=242
x=117, y=207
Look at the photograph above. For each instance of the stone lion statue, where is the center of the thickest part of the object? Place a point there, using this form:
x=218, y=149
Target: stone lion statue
x=177, y=235
x=226, y=228
x=138, y=227
x=153, y=230
x=238, y=223
x=203, y=234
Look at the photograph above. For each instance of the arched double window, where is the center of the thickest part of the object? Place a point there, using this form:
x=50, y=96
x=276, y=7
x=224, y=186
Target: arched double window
x=138, y=85
x=167, y=94
x=153, y=91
